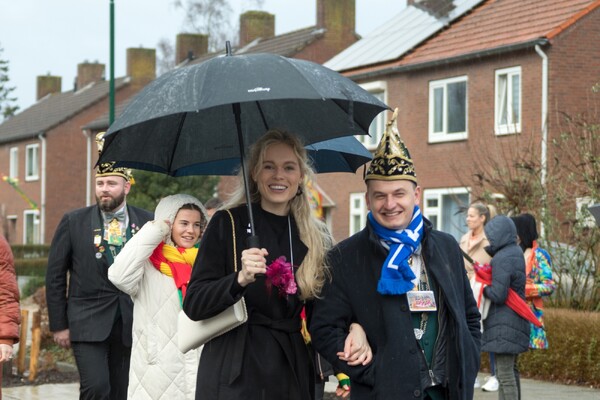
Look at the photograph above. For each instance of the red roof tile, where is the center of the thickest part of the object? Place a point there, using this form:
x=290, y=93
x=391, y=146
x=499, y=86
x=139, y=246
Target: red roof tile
x=500, y=23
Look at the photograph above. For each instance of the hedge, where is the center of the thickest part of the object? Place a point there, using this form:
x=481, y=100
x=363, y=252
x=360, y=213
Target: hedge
x=30, y=251
x=31, y=266
x=573, y=356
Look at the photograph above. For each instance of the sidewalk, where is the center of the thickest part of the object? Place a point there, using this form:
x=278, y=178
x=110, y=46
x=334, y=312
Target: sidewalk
x=531, y=390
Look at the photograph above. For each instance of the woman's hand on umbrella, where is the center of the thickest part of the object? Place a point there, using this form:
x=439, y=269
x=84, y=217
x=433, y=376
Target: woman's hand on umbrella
x=253, y=263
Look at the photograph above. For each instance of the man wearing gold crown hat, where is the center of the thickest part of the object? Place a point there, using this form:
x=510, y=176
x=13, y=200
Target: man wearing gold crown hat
x=405, y=284
x=94, y=318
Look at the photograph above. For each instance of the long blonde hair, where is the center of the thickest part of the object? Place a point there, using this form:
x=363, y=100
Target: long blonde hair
x=312, y=272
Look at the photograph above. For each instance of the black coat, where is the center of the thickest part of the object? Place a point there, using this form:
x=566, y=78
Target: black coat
x=265, y=358
x=504, y=331
x=89, y=310
x=352, y=296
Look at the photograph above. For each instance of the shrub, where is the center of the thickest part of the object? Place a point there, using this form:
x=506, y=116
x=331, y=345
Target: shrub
x=31, y=266
x=33, y=284
x=30, y=250
x=573, y=355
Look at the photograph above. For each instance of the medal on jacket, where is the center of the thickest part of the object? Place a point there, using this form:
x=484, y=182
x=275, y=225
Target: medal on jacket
x=98, y=243
x=114, y=233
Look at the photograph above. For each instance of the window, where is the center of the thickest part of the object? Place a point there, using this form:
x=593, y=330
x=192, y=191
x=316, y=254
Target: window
x=448, y=109
x=31, y=231
x=31, y=162
x=13, y=171
x=358, y=213
x=377, y=89
x=508, y=101
x=445, y=209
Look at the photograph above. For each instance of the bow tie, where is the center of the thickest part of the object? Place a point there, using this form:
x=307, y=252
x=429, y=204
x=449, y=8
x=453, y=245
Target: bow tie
x=119, y=216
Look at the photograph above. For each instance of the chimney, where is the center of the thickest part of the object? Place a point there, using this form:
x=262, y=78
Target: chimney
x=89, y=72
x=48, y=84
x=190, y=44
x=256, y=24
x=338, y=20
x=337, y=16
x=437, y=8
x=141, y=65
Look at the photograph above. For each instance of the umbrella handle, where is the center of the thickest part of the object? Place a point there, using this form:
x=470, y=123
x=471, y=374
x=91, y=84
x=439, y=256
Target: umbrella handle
x=253, y=242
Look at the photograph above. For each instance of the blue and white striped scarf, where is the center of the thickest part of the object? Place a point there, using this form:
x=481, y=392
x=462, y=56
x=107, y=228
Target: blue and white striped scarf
x=396, y=274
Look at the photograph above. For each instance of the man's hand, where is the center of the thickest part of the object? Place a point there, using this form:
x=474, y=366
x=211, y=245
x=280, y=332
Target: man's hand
x=63, y=338
x=6, y=352
x=357, y=350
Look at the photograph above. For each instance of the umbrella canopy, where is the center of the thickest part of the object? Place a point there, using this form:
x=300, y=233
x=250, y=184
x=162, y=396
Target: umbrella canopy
x=211, y=111
x=343, y=154
x=186, y=115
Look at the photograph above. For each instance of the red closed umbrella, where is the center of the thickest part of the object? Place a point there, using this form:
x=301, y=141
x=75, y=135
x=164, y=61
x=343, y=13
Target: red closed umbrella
x=483, y=274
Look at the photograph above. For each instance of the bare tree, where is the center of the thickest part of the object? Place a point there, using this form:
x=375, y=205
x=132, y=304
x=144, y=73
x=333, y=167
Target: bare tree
x=513, y=171
x=165, y=57
x=7, y=106
x=212, y=17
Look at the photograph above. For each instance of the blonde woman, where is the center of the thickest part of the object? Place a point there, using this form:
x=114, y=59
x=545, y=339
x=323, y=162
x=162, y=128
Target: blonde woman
x=474, y=241
x=265, y=358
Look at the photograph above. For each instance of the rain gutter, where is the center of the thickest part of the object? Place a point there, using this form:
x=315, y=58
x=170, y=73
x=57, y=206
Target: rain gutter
x=544, y=151
x=42, y=137
x=445, y=61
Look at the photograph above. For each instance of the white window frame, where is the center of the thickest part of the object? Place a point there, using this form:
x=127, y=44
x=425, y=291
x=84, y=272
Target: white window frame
x=378, y=125
x=32, y=163
x=503, y=99
x=13, y=171
x=357, y=211
x=437, y=194
x=444, y=136
x=36, y=226
x=582, y=214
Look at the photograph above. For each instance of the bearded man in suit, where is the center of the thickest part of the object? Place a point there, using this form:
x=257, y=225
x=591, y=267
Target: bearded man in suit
x=94, y=317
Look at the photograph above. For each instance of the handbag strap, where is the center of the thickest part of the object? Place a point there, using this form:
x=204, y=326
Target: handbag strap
x=234, y=245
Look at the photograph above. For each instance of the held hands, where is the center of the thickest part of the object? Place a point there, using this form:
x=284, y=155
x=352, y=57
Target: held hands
x=253, y=263
x=6, y=352
x=357, y=350
x=343, y=389
x=63, y=338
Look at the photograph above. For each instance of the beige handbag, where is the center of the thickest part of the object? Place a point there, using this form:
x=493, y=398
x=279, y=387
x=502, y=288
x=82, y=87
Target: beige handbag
x=193, y=334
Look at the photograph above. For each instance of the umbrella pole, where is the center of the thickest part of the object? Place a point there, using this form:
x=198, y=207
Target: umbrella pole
x=252, y=241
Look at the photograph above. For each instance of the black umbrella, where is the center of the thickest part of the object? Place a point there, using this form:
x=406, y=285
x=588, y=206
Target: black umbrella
x=343, y=154
x=212, y=110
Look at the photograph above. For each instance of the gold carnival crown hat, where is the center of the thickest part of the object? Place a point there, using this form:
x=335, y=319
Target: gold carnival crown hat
x=108, y=168
x=391, y=161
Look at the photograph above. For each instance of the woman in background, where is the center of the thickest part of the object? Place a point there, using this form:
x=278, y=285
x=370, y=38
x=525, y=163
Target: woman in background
x=505, y=332
x=473, y=243
x=538, y=269
x=154, y=268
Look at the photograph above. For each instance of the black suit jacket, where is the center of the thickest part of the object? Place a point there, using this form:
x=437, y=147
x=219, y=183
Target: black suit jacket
x=92, y=303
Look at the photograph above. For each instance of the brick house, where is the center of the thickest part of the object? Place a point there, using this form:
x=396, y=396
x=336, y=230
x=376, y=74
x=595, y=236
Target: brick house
x=504, y=69
x=50, y=149
x=47, y=153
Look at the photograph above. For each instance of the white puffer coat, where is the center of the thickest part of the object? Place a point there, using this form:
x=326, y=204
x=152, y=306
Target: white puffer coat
x=158, y=369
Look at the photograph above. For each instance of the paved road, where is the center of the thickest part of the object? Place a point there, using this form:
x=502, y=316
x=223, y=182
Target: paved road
x=531, y=390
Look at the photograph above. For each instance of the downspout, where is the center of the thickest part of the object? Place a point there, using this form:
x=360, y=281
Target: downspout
x=42, y=138
x=88, y=166
x=544, y=151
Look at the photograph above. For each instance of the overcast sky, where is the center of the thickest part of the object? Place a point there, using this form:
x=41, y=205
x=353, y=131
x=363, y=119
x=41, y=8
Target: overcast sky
x=42, y=37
